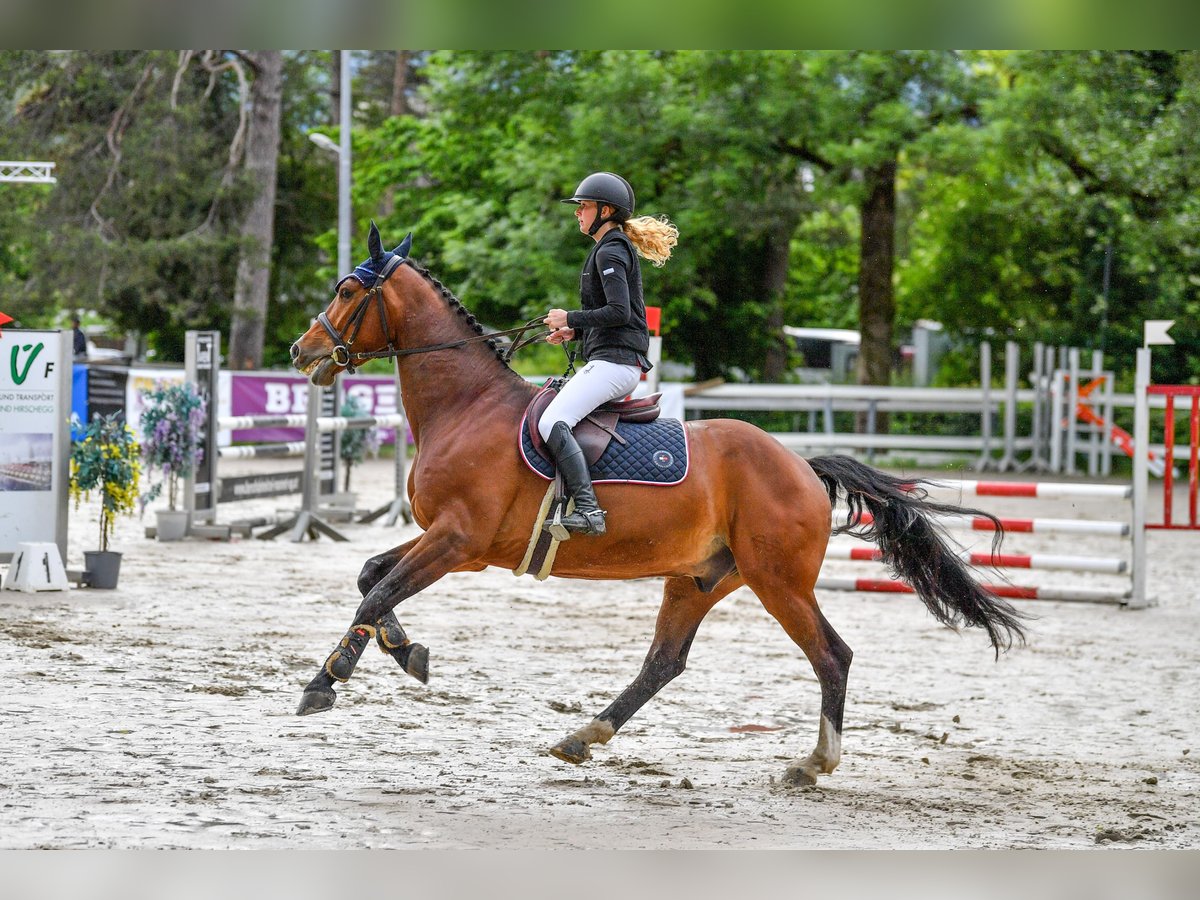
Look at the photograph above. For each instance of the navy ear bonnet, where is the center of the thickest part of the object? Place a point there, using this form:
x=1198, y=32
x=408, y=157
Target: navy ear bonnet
x=380, y=262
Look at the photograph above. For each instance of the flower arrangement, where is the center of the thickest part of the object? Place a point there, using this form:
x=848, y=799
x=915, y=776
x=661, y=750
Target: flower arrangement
x=358, y=442
x=106, y=458
x=172, y=421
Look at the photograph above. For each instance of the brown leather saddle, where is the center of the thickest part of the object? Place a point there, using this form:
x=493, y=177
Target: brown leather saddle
x=599, y=428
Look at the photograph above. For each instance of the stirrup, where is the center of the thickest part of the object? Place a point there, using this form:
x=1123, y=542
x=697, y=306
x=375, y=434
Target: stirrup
x=590, y=522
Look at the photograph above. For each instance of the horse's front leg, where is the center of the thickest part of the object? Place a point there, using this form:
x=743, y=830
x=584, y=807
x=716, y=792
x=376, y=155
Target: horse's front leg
x=413, y=658
x=438, y=551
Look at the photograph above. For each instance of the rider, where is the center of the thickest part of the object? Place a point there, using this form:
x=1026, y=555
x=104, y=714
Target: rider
x=611, y=326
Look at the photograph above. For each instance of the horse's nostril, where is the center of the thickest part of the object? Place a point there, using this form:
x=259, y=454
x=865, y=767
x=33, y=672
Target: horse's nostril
x=295, y=351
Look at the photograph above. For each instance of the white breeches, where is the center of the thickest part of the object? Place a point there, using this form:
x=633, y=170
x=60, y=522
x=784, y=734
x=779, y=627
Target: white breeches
x=596, y=383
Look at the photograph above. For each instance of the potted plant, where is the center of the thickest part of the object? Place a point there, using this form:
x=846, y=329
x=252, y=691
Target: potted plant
x=172, y=420
x=106, y=459
x=356, y=443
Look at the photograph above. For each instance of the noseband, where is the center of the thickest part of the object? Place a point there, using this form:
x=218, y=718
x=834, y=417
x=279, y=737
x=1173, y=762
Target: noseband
x=341, y=355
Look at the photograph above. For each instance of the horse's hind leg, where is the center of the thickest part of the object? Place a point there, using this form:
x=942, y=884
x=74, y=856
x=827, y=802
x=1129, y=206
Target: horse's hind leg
x=684, y=606
x=790, y=599
x=389, y=634
x=413, y=658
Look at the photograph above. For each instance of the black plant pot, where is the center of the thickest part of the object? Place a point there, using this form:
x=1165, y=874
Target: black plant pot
x=101, y=568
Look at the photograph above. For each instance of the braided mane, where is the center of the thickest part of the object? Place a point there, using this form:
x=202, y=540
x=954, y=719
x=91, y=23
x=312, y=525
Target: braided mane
x=464, y=313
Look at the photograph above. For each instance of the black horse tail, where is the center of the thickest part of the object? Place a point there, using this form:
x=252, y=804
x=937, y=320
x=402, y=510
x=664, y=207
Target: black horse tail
x=915, y=547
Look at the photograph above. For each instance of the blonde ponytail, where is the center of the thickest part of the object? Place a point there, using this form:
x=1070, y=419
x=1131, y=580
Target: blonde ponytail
x=653, y=237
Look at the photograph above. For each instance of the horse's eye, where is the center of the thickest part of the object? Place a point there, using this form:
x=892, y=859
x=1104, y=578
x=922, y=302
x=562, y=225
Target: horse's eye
x=347, y=293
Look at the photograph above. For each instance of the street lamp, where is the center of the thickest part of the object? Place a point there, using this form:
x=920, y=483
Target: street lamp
x=399, y=507
x=342, y=151
x=306, y=520
x=325, y=142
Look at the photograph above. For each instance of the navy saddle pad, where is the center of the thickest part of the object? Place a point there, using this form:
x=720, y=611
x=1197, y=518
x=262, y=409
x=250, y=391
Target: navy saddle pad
x=656, y=453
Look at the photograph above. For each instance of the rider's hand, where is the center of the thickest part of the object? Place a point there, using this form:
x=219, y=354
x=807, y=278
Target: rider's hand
x=556, y=319
x=561, y=336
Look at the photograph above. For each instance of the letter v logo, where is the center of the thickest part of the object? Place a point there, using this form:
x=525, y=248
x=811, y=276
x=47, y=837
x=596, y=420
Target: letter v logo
x=19, y=377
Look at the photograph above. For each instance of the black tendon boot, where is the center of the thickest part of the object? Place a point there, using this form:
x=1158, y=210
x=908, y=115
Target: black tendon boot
x=413, y=658
x=345, y=656
x=588, y=517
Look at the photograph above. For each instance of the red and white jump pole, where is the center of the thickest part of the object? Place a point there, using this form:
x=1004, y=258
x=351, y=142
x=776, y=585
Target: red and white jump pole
x=1044, y=490
x=1135, y=596
x=1011, y=591
x=1036, y=526
x=1107, y=565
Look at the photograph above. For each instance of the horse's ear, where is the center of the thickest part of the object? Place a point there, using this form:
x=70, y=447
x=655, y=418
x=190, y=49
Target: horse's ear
x=405, y=246
x=374, y=244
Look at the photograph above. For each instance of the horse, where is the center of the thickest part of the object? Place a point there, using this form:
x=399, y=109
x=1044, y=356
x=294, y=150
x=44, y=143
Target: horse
x=749, y=512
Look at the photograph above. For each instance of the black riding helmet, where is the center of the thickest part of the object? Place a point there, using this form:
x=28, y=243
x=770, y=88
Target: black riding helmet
x=605, y=188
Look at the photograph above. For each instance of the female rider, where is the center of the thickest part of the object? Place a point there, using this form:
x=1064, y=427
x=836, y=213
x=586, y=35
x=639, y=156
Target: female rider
x=611, y=326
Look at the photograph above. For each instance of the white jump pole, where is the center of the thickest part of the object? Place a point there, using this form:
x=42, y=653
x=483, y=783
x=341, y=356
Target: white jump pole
x=1141, y=477
x=985, y=418
x=1069, y=412
x=1012, y=375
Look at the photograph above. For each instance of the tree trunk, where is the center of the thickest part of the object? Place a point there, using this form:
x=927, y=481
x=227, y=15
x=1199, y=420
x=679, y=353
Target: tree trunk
x=247, y=330
x=778, y=254
x=335, y=88
x=876, y=301
x=400, y=85
x=400, y=107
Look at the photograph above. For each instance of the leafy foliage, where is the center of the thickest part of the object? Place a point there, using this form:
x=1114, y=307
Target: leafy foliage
x=172, y=422
x=106, y=459
x=1069, y=214
x=356, y=443
x=1038, y=195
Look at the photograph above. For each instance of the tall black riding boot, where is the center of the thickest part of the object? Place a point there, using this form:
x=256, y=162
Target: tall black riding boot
x=588, y=517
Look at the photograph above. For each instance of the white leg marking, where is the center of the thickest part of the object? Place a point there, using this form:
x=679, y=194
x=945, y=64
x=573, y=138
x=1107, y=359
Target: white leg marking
x=595, y=732
x=823, y=760
x=828, y=752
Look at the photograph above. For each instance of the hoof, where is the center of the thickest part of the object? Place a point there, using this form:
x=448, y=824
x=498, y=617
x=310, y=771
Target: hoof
x=418, y=663
x=799, y=777
x=571, y=750
x=316, y=701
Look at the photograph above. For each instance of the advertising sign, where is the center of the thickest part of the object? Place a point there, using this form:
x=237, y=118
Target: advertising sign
x=35, y=410
x=286, y=393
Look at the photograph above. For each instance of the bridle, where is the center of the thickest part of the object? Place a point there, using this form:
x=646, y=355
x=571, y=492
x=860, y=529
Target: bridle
x=342, y=356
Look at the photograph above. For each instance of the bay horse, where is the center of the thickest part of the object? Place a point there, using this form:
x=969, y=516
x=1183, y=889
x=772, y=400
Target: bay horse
x=749, y=512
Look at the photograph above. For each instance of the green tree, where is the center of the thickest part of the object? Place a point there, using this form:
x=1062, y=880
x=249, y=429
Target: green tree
x=758, y=156
x=145, y=226
x=1070, y=216
x=265, y=103
x=134, y=227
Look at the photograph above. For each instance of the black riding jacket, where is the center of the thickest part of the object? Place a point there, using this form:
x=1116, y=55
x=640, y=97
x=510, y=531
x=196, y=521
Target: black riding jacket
x=612, y=324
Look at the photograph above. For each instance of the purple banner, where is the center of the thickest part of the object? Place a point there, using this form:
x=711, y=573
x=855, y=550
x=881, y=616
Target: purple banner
x=283, y=394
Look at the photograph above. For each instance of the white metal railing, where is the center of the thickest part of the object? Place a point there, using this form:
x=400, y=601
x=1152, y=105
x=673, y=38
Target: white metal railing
x=27, y=172
x=1056, y=438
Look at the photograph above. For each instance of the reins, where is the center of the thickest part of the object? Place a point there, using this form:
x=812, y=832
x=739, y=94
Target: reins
x=516, y=345
x=342, y=355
